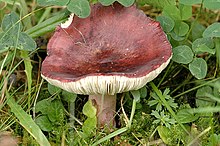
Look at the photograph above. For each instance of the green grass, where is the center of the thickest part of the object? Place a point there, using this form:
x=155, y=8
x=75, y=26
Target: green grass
x=180, y=107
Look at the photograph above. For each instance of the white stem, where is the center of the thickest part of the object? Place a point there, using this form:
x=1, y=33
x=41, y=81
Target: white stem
x=106, y=106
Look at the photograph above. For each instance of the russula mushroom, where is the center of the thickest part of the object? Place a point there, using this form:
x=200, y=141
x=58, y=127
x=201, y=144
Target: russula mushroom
x=114, y=50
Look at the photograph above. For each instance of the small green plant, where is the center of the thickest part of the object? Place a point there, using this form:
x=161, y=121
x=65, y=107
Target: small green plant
x=90, y=123
x=51, y=115
x=159, y=104
x=162, y=119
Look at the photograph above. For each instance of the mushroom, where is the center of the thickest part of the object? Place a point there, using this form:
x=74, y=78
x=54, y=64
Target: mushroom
x=114, y=50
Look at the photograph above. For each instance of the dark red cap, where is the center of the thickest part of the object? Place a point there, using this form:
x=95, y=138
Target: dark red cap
x=115, y=49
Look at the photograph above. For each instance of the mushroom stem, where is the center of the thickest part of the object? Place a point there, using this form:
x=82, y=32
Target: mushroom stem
x=106, y=106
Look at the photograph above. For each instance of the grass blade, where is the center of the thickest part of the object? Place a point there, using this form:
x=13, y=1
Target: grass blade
x=48, y=25
x=113, y=134
x=28, y=72
x=27, y=122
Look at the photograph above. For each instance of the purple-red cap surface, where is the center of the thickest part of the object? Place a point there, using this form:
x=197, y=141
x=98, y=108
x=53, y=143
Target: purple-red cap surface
x=115, y=49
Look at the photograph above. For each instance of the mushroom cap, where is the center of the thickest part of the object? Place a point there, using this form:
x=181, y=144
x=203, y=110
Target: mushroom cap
x=114, y=50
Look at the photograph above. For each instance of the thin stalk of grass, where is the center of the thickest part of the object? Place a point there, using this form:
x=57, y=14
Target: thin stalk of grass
x=196, y=19
x=7, y=123
x=47, y=25
x=4, y=88
x=212, y=97
x=11, y=68
x=182, y=84
x=162, y=98
x=167, y=71
x=209, y=109
x=3, y=62
x=24, y=11
x=123, y=111
x=45, y=15
x=197, y=87
x=35, y=100
x=136, y=97
x=79, y=134
x=10, y=71
x=3, y=91
x=28, y=72
x=197, y=137
x=217, y=48
x=72, y=113
x=132, y=113
x=137, y=138
x=111, y=135
x=212, y=129
x=63, y=138
x=74, y=118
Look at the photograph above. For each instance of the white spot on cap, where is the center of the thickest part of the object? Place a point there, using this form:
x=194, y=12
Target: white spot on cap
x=68, y=22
